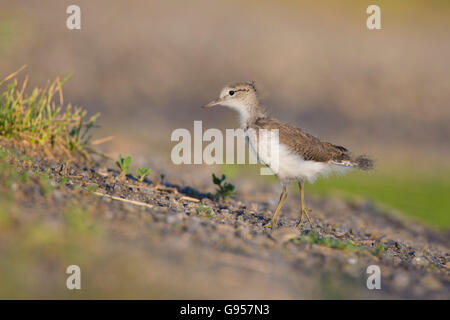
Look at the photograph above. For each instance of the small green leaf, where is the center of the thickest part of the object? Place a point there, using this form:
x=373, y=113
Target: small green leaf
x=215, y=179
x=225, y=190
x=124, y=164
x=143, y=172
x=63, y=181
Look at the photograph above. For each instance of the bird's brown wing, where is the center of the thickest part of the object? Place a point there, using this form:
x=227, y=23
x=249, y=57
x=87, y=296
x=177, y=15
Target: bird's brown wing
x=302, y=143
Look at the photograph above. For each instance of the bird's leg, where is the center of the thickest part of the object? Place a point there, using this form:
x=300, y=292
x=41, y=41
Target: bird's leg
x=273, y=221
x=303, y=210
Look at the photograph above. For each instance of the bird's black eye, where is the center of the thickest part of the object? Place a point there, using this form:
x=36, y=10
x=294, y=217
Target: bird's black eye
x=231, y=92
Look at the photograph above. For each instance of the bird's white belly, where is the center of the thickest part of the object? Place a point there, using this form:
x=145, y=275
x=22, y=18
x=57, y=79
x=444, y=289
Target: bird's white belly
x=283, y=162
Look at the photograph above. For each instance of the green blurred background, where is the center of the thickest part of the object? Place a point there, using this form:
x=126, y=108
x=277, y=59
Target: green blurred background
x=147, y=66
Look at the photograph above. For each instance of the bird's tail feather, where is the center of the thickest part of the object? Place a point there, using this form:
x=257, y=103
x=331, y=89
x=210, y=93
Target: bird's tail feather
x=363, y=162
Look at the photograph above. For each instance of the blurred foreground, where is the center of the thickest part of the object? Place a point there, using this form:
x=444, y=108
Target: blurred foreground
x=166, y=245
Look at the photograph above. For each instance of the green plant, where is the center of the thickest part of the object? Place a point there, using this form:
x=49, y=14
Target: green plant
x=378, y=251
x=124, y=165
x=225, y=189
x=40, y=118
x=204, y=210
x=63, y=181
x=142, y=173
x=314, y=238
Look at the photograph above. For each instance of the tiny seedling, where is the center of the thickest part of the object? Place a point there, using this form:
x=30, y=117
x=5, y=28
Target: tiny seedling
x=124, y=165
x=204, y=210
x=63, y=181
x=142, y=173
x=225, y=189
x=378, y=251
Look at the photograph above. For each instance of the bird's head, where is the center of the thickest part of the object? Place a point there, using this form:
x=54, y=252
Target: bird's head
x=239, y=96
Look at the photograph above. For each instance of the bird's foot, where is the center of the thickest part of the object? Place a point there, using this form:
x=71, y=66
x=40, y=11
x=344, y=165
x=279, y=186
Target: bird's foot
x=271, y=224
x=305, y=213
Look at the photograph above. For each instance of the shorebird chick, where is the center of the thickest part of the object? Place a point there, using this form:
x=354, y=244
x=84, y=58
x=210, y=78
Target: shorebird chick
x=301, y=156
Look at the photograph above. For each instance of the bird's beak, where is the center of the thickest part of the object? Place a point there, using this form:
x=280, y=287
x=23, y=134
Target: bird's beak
x=213, y=103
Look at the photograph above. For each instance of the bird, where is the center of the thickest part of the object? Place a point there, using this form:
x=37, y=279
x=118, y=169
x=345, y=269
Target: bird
x=301, y=156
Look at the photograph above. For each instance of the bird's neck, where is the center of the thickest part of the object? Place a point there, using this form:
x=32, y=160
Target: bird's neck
x=249, y=114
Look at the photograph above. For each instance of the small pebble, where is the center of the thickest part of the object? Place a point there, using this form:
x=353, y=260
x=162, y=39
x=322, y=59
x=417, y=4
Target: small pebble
x=341, y=231
x=419, y=261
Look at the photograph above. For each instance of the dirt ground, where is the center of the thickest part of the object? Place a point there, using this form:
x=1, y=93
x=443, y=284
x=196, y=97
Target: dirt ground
x=163, y=245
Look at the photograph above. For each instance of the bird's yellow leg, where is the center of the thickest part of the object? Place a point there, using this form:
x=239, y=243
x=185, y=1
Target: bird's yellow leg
x=273, y=221
x=303, y=210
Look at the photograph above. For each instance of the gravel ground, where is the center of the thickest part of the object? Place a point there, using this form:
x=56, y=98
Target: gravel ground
x=167, y=247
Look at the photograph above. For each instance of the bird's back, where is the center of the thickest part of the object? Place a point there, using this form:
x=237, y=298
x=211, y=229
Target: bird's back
x=302, y=143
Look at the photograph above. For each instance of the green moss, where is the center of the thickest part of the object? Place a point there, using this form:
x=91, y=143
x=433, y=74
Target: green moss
x=314, y=238
x=378, y=251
